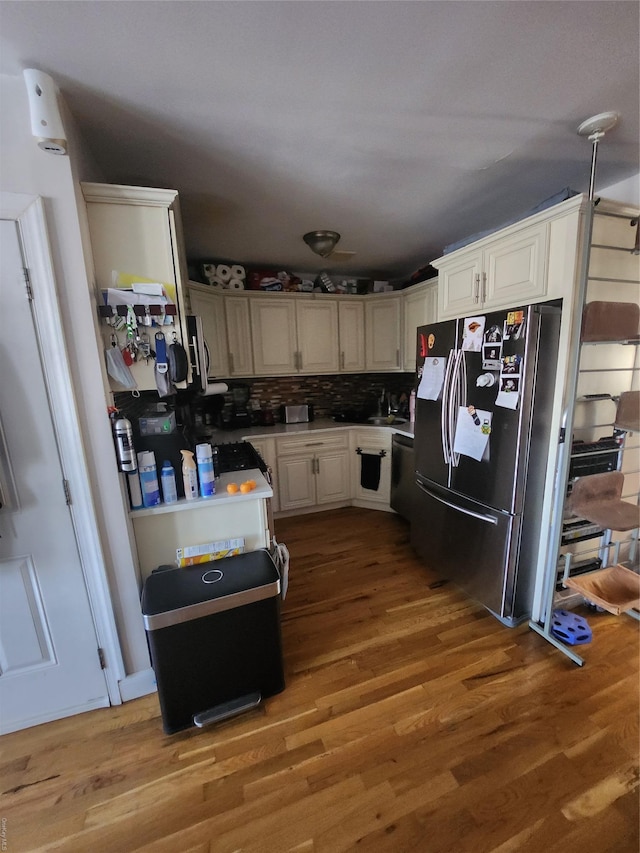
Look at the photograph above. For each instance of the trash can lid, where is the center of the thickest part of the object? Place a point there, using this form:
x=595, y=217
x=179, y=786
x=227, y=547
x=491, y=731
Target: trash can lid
x=179, y=595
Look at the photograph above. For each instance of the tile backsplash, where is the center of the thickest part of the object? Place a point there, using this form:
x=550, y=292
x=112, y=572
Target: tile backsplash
x=327, y=394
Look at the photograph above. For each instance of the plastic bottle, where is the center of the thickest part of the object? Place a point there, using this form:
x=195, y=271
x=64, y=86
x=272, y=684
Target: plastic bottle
x=189, y=475
x=135, y=492
x=148, y=478
x=124, y=444
x=206, y=474
x=412, y=406
x=168, y=481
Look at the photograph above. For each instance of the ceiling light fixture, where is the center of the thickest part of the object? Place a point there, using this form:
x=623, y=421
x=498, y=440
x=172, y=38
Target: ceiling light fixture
x=594, y=129
x=321, y=242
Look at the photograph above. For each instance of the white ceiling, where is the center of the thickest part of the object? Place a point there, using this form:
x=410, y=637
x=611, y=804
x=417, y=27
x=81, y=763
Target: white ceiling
x=402, y=125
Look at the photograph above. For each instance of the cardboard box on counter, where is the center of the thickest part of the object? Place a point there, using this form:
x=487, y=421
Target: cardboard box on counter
x=193, y=555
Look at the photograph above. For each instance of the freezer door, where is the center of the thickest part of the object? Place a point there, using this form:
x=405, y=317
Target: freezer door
x=436, y=341
x=471, y=545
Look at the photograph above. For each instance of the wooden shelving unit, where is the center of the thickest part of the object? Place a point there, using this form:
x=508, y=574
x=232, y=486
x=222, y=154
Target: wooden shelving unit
x=593, y=553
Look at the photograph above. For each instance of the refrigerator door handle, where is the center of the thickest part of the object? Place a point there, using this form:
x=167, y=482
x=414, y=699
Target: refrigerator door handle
x=457, y=398
x=444, y=411
x=489, y=519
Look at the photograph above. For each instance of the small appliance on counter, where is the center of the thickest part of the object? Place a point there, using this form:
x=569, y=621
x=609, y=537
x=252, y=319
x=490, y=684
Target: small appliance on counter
x=296, y=414
x=237, y=415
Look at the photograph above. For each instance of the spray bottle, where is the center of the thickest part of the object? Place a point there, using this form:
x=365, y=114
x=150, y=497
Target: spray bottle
x=125, y=450
x=168, y=481
x=206, y=474
x=148, y=478
x=189, y=475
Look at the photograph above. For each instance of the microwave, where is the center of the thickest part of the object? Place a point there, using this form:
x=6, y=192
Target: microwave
x=198, y=353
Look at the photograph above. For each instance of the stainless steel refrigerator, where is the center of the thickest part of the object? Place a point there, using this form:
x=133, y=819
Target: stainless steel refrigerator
x=483, y=410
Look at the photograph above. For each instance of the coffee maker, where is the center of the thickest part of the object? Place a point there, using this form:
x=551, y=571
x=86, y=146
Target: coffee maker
x=237, y=414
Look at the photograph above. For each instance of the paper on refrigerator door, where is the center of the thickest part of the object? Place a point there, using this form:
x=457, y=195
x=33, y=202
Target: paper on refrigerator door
x=472, y=432
x=432, y=378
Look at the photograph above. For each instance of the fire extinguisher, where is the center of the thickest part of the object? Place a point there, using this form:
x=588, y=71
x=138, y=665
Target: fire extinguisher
x=123, y=433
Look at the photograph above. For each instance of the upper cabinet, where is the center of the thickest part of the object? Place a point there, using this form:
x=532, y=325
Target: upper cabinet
x=210, y=307
x=351, y=334
x=136, y=231
x=494, y=273
x=420, y=304
x=383, y=332
x=292, y=335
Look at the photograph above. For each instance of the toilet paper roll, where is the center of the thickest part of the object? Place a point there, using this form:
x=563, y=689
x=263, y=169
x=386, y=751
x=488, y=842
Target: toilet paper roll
x=223, y=272
x=238, y=271
x=235, y=284
x=215, y=388
x=214, y=281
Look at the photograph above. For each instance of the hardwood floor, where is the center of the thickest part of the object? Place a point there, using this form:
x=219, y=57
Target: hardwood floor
x=411, y=721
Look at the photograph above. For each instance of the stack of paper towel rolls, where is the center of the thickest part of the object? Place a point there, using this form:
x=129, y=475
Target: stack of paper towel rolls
x=227, y=276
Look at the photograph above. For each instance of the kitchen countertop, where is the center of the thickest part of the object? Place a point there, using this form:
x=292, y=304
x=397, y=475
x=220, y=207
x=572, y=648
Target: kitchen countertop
x=223, y=436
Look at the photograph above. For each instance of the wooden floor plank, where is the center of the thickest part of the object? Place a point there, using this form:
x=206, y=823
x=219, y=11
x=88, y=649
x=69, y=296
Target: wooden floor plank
x=412, y=720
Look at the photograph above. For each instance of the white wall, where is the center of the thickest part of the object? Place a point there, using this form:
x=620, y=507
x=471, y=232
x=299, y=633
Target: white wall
x=27, y=169
x=627, y=191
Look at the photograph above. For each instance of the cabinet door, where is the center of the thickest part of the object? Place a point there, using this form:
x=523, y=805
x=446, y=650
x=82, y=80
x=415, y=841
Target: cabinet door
x=371, y=441
x=240, y=350
x=332, y=477
x=317, y=330
x=210, y=307
x=273, y=333
x=383, y=326
x=296, y=482
x=420, y=308
x=351, y=336
x=459, y=286
x=131, y=232
x=515, y=268
x=267, y=449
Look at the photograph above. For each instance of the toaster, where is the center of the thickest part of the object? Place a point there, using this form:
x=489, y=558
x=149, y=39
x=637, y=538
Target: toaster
x=296, y=414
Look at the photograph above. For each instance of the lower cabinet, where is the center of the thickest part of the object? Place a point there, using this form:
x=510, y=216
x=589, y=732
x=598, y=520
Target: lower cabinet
x=371, y=467
x=313, y=471
x=266, y=447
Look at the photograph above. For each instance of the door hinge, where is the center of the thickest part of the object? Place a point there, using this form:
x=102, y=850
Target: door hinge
x=67, y=492
x=102, y=659
x=27, y=284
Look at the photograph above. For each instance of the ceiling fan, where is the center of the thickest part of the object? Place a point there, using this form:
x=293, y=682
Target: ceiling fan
x=324, y=243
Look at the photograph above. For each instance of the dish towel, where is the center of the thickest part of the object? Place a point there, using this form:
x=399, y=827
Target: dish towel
x=370, y=471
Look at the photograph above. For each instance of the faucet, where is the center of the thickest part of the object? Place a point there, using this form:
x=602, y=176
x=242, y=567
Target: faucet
x=383, y=404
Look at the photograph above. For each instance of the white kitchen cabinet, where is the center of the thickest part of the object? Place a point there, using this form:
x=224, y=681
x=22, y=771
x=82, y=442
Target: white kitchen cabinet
x=494, y=273
x=317, y=329
x=383, y=333
x=240, y=350
x=137, y=231
x=313, y=470
x=351, y=335
x=420, y=305
x=266, y=447
x=209, y=306
x=274, y=335
x=377, y=443
x=294, y=335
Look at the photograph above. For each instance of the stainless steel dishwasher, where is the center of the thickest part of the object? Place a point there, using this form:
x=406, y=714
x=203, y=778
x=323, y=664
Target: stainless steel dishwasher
x=403, y=479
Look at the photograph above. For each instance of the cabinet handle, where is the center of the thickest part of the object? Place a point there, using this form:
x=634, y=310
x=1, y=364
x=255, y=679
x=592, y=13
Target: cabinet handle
x=299, y=359
x=476, y=289
x=314, y=443
x=484, y=287
x=397, y=358
x=342, y=360
x=231, y=366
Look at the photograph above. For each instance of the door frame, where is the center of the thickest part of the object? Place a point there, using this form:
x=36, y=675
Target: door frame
x=29, y=214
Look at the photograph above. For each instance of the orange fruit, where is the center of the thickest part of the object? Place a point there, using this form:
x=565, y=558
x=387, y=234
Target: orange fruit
x=232, y=488
x=252, y=483
x=245, y=487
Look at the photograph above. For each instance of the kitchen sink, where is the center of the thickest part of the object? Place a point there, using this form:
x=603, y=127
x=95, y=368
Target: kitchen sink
x=388, y=420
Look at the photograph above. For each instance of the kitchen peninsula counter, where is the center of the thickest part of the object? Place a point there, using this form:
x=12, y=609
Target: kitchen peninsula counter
x=160, y=530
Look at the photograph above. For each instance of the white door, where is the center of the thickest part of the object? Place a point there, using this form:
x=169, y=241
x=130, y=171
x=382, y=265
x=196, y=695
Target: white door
x=49, y=664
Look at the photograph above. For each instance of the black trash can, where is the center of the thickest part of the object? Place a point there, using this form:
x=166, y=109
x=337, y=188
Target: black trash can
x=214, y=636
